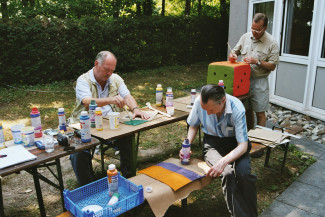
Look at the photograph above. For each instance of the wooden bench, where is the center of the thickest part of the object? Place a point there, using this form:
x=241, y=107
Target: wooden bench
x=256, y=147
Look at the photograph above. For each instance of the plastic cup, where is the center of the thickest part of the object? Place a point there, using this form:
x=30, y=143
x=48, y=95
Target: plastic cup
x=48, y=141
x=170, y=110
x=28, y=136
x=114, y=119
x=16, y=133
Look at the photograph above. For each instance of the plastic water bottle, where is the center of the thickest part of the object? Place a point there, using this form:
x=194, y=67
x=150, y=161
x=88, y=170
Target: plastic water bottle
x=85, y=127
x=99, y=119
x=112, y=176
x=36, y=122
x=62, y=120
x=186, y=151
x=2, y=138
x=221, y=84
x=193, y=96
x=159, y=95
x=92, y=108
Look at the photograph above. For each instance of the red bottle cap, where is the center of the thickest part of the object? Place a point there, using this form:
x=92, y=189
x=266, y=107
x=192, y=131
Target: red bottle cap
x=34, y=110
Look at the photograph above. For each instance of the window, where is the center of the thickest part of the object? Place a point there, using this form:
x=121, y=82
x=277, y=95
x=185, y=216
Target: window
x=323, y=47
x=266, y=8
x=298, y=27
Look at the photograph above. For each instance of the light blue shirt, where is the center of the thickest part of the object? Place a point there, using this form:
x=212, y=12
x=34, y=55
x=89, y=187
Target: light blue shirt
x=232, y=122
x=83, y=90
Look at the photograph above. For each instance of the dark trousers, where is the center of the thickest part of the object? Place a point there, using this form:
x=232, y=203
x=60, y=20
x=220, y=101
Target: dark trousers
x=238, y=184
x=82, y=166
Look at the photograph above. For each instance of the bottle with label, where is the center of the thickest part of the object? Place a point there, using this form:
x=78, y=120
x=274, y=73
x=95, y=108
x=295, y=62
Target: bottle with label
x=169, y=101
x=193, y=96
x=2, y=138
x=99, y=119
x=36, y=122
x=221, y=84
x=112, y=176
x=159, y=95
x=186, y=151
x=85, y=127
x=62, y=120
x=92, y=108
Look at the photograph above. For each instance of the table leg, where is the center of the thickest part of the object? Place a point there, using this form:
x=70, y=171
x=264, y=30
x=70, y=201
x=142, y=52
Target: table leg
x=134, y=156
x=267, y=157
x=58, y=168
x=184, y=207
x=102, y=157
x=285, y=156
x=2, y=212
x=38, y=192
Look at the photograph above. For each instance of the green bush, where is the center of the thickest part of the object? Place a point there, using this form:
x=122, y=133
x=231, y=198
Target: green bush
x=41, y=50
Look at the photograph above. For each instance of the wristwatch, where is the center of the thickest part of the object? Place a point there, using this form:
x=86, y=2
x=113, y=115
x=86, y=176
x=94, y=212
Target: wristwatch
x=258, y=62
x=135, y=108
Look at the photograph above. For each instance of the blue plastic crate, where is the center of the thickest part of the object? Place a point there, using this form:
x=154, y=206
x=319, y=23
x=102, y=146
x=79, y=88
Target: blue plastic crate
x=96, y=193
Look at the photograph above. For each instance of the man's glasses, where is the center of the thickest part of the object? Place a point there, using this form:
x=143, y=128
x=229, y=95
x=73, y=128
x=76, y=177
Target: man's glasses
x=257, y=32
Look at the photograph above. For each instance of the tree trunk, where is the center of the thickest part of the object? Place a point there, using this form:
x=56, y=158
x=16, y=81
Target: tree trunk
x=138, y=12
x=4, y=10
x=115, y=9
x=147, y=7
x=187, y=7
x=163, y=2
x=199, y=8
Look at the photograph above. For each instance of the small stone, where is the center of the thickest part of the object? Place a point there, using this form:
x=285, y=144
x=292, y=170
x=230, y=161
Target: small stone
x=314, y=138
x=321, y=132
x=304, y=157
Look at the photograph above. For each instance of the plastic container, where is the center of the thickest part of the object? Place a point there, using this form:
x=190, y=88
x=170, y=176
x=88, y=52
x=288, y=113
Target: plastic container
x=85, y=127
x=112, y=178
x=2, y=138
x=36, y=122
x=114, y=120
x=114, y=199
x=62, y=120
x=92, y=109
x=99, y=119
x=193, y=96
x=186, y=151
x=159, y=95
x=95, y=193
x=28, y=136
x=16, y=133
x=169, y=101
x=221, y=84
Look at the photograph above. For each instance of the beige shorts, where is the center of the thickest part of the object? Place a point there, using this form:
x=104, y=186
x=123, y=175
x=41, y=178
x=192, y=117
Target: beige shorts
x=259, y=91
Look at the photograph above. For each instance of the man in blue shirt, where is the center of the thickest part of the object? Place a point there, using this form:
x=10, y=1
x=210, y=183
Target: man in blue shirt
x=225, y=147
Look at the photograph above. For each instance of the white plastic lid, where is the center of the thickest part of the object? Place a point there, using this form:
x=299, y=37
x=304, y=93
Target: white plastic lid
x=84, y=113
x=158, y=85
x=60, y=109
x=27, y=130
x=111, y=167
x=17, y=127
x=148, y=189
x=193, y=90
x=169, y=89
x=98, y=109
x=220, y=81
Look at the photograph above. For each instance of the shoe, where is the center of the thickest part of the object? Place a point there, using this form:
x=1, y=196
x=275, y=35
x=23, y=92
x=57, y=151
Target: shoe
x=257, y=154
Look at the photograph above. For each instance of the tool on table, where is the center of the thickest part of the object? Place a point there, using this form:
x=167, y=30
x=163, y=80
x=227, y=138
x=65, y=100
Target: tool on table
x=229, y=47
x=4, y=155
x=160, y=112
x=127, y=112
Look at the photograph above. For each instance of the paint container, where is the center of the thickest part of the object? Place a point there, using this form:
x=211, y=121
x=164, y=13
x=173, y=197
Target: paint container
x=85, y=127
x=159, y=95
x=92, y=110
x=35, y=117
x=2, y=137
x=62, y=120
x=193, y=96
x=16, y=133
x=114, y=119
x=99, y=119
x=28, y=136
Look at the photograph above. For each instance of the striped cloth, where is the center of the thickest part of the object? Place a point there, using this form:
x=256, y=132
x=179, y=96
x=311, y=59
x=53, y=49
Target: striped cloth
x=172, y=175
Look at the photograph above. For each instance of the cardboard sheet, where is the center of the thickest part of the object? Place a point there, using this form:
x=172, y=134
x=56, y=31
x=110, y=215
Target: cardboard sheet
x=267, y=137
x=162, y=196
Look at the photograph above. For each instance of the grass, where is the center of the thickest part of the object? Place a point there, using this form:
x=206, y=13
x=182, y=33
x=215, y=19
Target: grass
x=16, y=104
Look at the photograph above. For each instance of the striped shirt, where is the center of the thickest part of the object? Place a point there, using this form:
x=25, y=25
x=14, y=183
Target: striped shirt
x=232, y=122
x=264, y=48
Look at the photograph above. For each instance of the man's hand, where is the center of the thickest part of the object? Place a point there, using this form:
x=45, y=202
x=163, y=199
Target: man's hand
x=217, y=169
x=250, y=60
x=181, y=154
x=233, y=55
x=139, y=113
x=118, y=100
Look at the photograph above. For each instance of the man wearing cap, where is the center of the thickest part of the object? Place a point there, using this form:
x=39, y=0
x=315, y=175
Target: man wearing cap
x=111, y=94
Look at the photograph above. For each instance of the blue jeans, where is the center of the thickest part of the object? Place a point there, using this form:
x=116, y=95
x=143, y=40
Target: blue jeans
x=82, y=165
